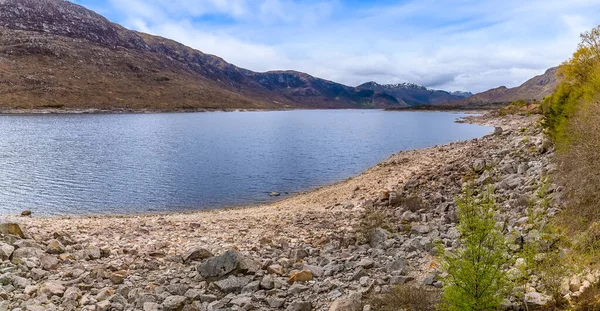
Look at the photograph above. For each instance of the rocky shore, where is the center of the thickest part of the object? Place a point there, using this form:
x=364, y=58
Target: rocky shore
x=302, y=253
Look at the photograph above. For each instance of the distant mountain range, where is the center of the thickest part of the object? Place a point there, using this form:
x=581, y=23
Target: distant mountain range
x=410, y=94
x=56, y=54
x=534, y=89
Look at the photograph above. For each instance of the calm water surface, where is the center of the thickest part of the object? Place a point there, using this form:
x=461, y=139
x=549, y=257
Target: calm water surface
x=100, y=164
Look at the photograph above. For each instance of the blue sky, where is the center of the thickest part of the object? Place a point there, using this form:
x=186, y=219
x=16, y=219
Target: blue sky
x=452, y=45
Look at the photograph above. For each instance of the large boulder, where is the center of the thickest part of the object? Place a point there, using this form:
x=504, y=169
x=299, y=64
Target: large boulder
x=231, y=262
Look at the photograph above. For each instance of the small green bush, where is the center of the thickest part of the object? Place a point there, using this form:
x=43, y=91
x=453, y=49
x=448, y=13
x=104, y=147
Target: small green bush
x=476, y=278
x=406, y=297
x=371, y=219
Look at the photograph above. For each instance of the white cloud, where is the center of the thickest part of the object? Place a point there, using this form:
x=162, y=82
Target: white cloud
x=462, y=45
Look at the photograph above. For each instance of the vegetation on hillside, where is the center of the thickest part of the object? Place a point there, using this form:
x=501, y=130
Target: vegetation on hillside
x=572, y=116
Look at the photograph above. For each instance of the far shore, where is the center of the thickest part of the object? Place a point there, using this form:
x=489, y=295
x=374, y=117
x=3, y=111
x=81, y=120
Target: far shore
x=59, y=111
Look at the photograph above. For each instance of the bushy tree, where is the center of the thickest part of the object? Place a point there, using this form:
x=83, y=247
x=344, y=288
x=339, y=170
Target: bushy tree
x=476, y=280
x=580, y=83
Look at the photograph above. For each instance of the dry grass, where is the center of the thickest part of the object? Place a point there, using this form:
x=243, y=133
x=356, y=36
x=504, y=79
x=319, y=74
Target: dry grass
x=405, y=297
x=372, y=219
x=589, y=300
x=579, y=164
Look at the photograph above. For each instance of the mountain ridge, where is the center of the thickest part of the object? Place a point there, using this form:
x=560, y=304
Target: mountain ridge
x=57, y=54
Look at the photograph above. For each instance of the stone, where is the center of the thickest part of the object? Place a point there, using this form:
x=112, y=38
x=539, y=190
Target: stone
x=345, y=305
x=299, y=254
x=174, y=303
x=13, y=228
x=151, y=306
x=400, y=279
x=49, y=262
x=26, y=213
x=535, y=299
x=52, y=288
x=366, y=263
x=230, y=262
x=299, y=306
x=479, y=165
x=93, y=253
x=267, y=282
x=275, y=303
x=72, y=293
x=302, y=276
x=574, y=284
x=117, y=278
x=196, y=254
x=232, y=284
x=275, y=269
x=55, y=247
x=397, y=265
x=298, y=288
x=6, y=251
x=379, y=237
x=23, y=253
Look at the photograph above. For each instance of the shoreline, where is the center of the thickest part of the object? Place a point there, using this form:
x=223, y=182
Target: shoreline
x=302, y=251
x=95, y=111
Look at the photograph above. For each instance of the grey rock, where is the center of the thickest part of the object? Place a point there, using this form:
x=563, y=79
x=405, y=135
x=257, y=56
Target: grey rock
x=479, y=165
x=267, y=282
x=151, y=306
x=23, y=253
x=230, y=262
x=196, y=254
x=535, y=299
x=346, y=305
x=174, y=303
x=52, y=288
x=6, y=250
x=400, y=279
x=13, y=228
x=55, y=247
x=232, y=284
x=379, y=237
x=275, y=303
x=299, y=306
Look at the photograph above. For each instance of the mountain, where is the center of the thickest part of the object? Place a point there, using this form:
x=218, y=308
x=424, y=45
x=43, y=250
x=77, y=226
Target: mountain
x=57, y=54
x=534, y=89
x=413, y=94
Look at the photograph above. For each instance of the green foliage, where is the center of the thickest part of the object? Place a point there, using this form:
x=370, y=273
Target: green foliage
x=476, y=280
x=580, y=83
x=405, y=297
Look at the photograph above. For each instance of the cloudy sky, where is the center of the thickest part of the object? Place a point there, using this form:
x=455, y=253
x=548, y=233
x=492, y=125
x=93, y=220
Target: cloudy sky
x=469, y=45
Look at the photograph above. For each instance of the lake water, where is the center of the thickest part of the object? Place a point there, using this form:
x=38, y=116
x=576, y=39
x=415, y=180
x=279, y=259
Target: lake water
x=135, y=163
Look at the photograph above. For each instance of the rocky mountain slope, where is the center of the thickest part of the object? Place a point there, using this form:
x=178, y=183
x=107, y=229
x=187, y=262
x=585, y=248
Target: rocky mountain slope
x=57, y=54
x=413, y=94
x=534, y=89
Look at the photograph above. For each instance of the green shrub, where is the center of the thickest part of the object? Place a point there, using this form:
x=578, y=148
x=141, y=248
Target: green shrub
x=475, y=271
x=405, y=297
x=371, y=219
